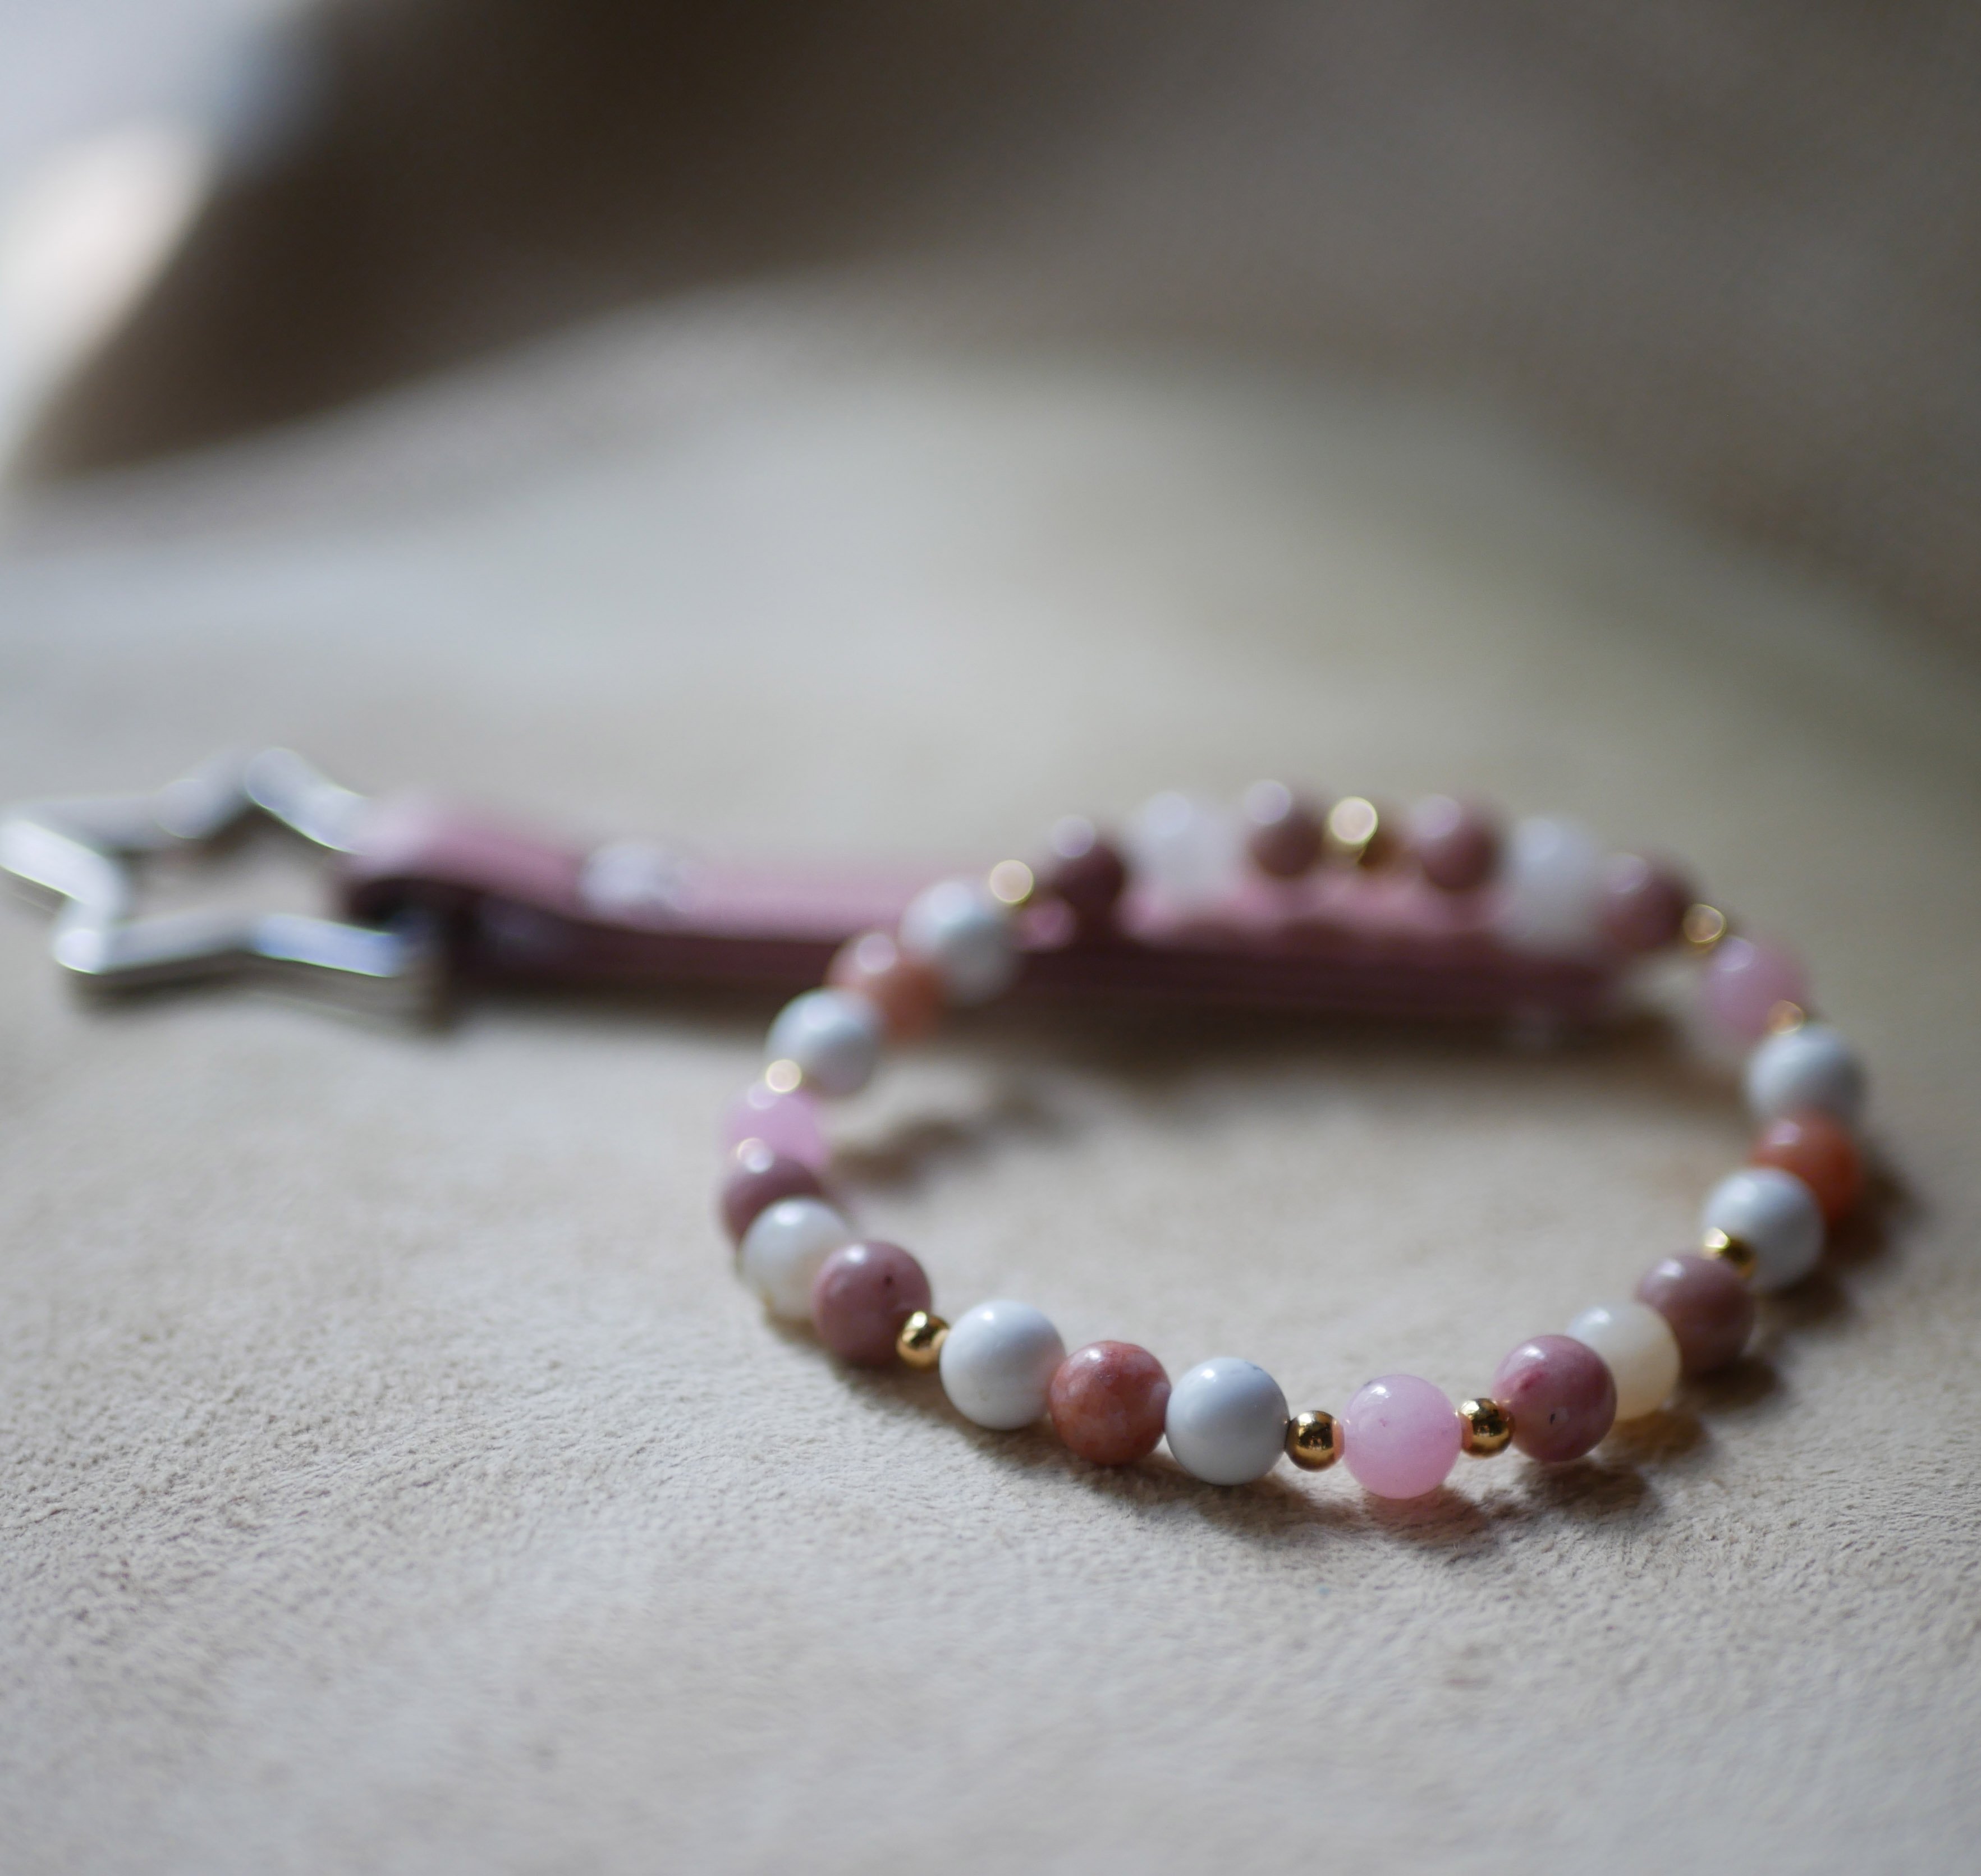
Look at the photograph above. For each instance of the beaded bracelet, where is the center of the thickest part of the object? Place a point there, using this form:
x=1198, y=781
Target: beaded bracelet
x=1004, y=1366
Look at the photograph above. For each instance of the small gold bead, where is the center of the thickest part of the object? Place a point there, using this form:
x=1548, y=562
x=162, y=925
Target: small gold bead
x=1356, y=832
x=1011, y=882
x=783, y=1076
x=1730, y=1251
x=1485, y=1427
x=1313, y=1442
x=1785, y=1017
x=1703, y=926
x=919, y=1342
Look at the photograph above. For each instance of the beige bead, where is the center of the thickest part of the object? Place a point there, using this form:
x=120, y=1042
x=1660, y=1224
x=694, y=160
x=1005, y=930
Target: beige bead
x=1637, y=1346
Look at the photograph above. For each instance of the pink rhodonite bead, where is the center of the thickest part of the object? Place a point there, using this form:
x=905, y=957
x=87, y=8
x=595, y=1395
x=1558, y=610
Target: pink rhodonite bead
x=787, y=1124
x=861, y=1296
x=1399, y=1436
x=1745, y=978
x=1561, y=1397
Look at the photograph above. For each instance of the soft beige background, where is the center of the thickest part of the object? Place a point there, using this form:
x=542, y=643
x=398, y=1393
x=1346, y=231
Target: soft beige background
x=394, y=1477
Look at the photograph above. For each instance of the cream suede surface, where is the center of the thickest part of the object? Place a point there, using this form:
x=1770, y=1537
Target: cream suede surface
x=395, y=1477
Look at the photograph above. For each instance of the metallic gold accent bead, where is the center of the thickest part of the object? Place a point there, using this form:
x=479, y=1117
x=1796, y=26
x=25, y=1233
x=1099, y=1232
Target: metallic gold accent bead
x=1703, y=926
x=1011, y=882
x=1355, y=832
x=1785, y=1017
x=783, y=1076
x=919, y=1342
x=1485, y=1427
x=1731, y=1251
x=1313, y=1441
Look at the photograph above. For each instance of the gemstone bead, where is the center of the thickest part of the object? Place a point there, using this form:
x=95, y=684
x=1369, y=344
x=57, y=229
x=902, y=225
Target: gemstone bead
x=782, y=1250
x=1456, y=843
x=1643, y=904
x=1561, y=1395
x=1711, y=1311
x=1283, y=834
x=787, y=1124
x=1400, y=1436
x=1551, y=886
x=1819, y=1152
x=1775, y=1215
x=1086, y=872
x=833, y=1035
x=1109, y=1401
x=1745, y=978
x=862, y=1294
x=1638, y=1347
x=907, y=992
x=1226, y=1423
x=758, y=1180
x=1190, y=851
x=997, y=1364
x=1810, y=1066
x=960, y=930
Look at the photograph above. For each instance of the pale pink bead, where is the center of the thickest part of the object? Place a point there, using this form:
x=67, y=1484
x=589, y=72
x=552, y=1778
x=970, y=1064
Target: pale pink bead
x=787, y=1124
x=1745, y=978
x=1399, y=1436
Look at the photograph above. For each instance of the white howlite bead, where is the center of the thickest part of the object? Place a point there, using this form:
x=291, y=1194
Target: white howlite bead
x=833, y=1035
x=1775, y=1215
x=781, y=1252
x=1190, y=851
x=1226, y=1421
x=997, y=1364
x=1638, y=1348
x=1551, y=886
x=1811, y=1067
x=964, y=935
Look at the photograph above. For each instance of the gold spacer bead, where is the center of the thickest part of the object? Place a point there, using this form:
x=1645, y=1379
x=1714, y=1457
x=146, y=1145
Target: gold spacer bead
x=1703, y=927
x=1731, y=1250
x=1785, y=1017
x=782, y=1076
x=1011, y=882
x=919, y=1342
x=1313, y=1441
x=1356, y=832
x=1485, y=1427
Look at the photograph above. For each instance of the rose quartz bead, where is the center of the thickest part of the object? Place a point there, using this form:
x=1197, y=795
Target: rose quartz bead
x=1820, y=1152
x=1086, y=872
x=908, y=993
x=1285, y=834
x=1561, y=1395
x=786, y=1123
x=1745, y=978
x=1108, y=1401
x=1399, y=1436
x=760, y=1178
x=1643, y=904
x=863, y=1293
x=1710, y=1310
x=1456, y=844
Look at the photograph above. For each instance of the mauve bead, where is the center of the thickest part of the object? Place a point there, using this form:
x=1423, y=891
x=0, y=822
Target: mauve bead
x=907, y=992
x=863, y=1293
x=1108, y=1401
x=1456, y=844
x=759, y=1179
x=1399, y=1436
x=1820, y=1152
x=1711, y=1310
x=1561, y=1395
x=1087, y=872
x=1745, y=978
x=786, y=1123
x=1284, y=832
x=1643, y=904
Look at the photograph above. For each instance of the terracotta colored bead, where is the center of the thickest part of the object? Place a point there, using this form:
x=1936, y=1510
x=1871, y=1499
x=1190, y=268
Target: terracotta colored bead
x=1086, y=872
x=1561, y=1395
x=1456, y=844
x=1108, y=1401
x=1643, y=904
x=1745, y=978
x=1711, y=1311
x=907, y=992
x=1285, y=834
x=759, y=1178
x=1820, y=1152
x=863, y=1293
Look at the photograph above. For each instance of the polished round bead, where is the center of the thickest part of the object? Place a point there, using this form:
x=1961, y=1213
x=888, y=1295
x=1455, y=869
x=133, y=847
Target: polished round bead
x=1637, y=1346
x=1746, y=978
x=1086, y=872
x=1283, y=832
x=1711, y=1310
x=1108, y=1401
x=1643, y=904
x=919, y=1340
x=905, y=991
x=1313, y=1440
x=758, y=1178
x=1561, y=1395
x=862, y=1294
x=1457, y=843
x=1809, y=1066
x=1485, y=1427
x=964, y=935
x=1775, y=1215
x=833, y=1035
x=787, y=1123
x=1820, y=1152
x=997, y=1364
x=1227, y=1420
x=1189, y=852
x=783, y=1250
x=1551, y=886
x=1400, y=1436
